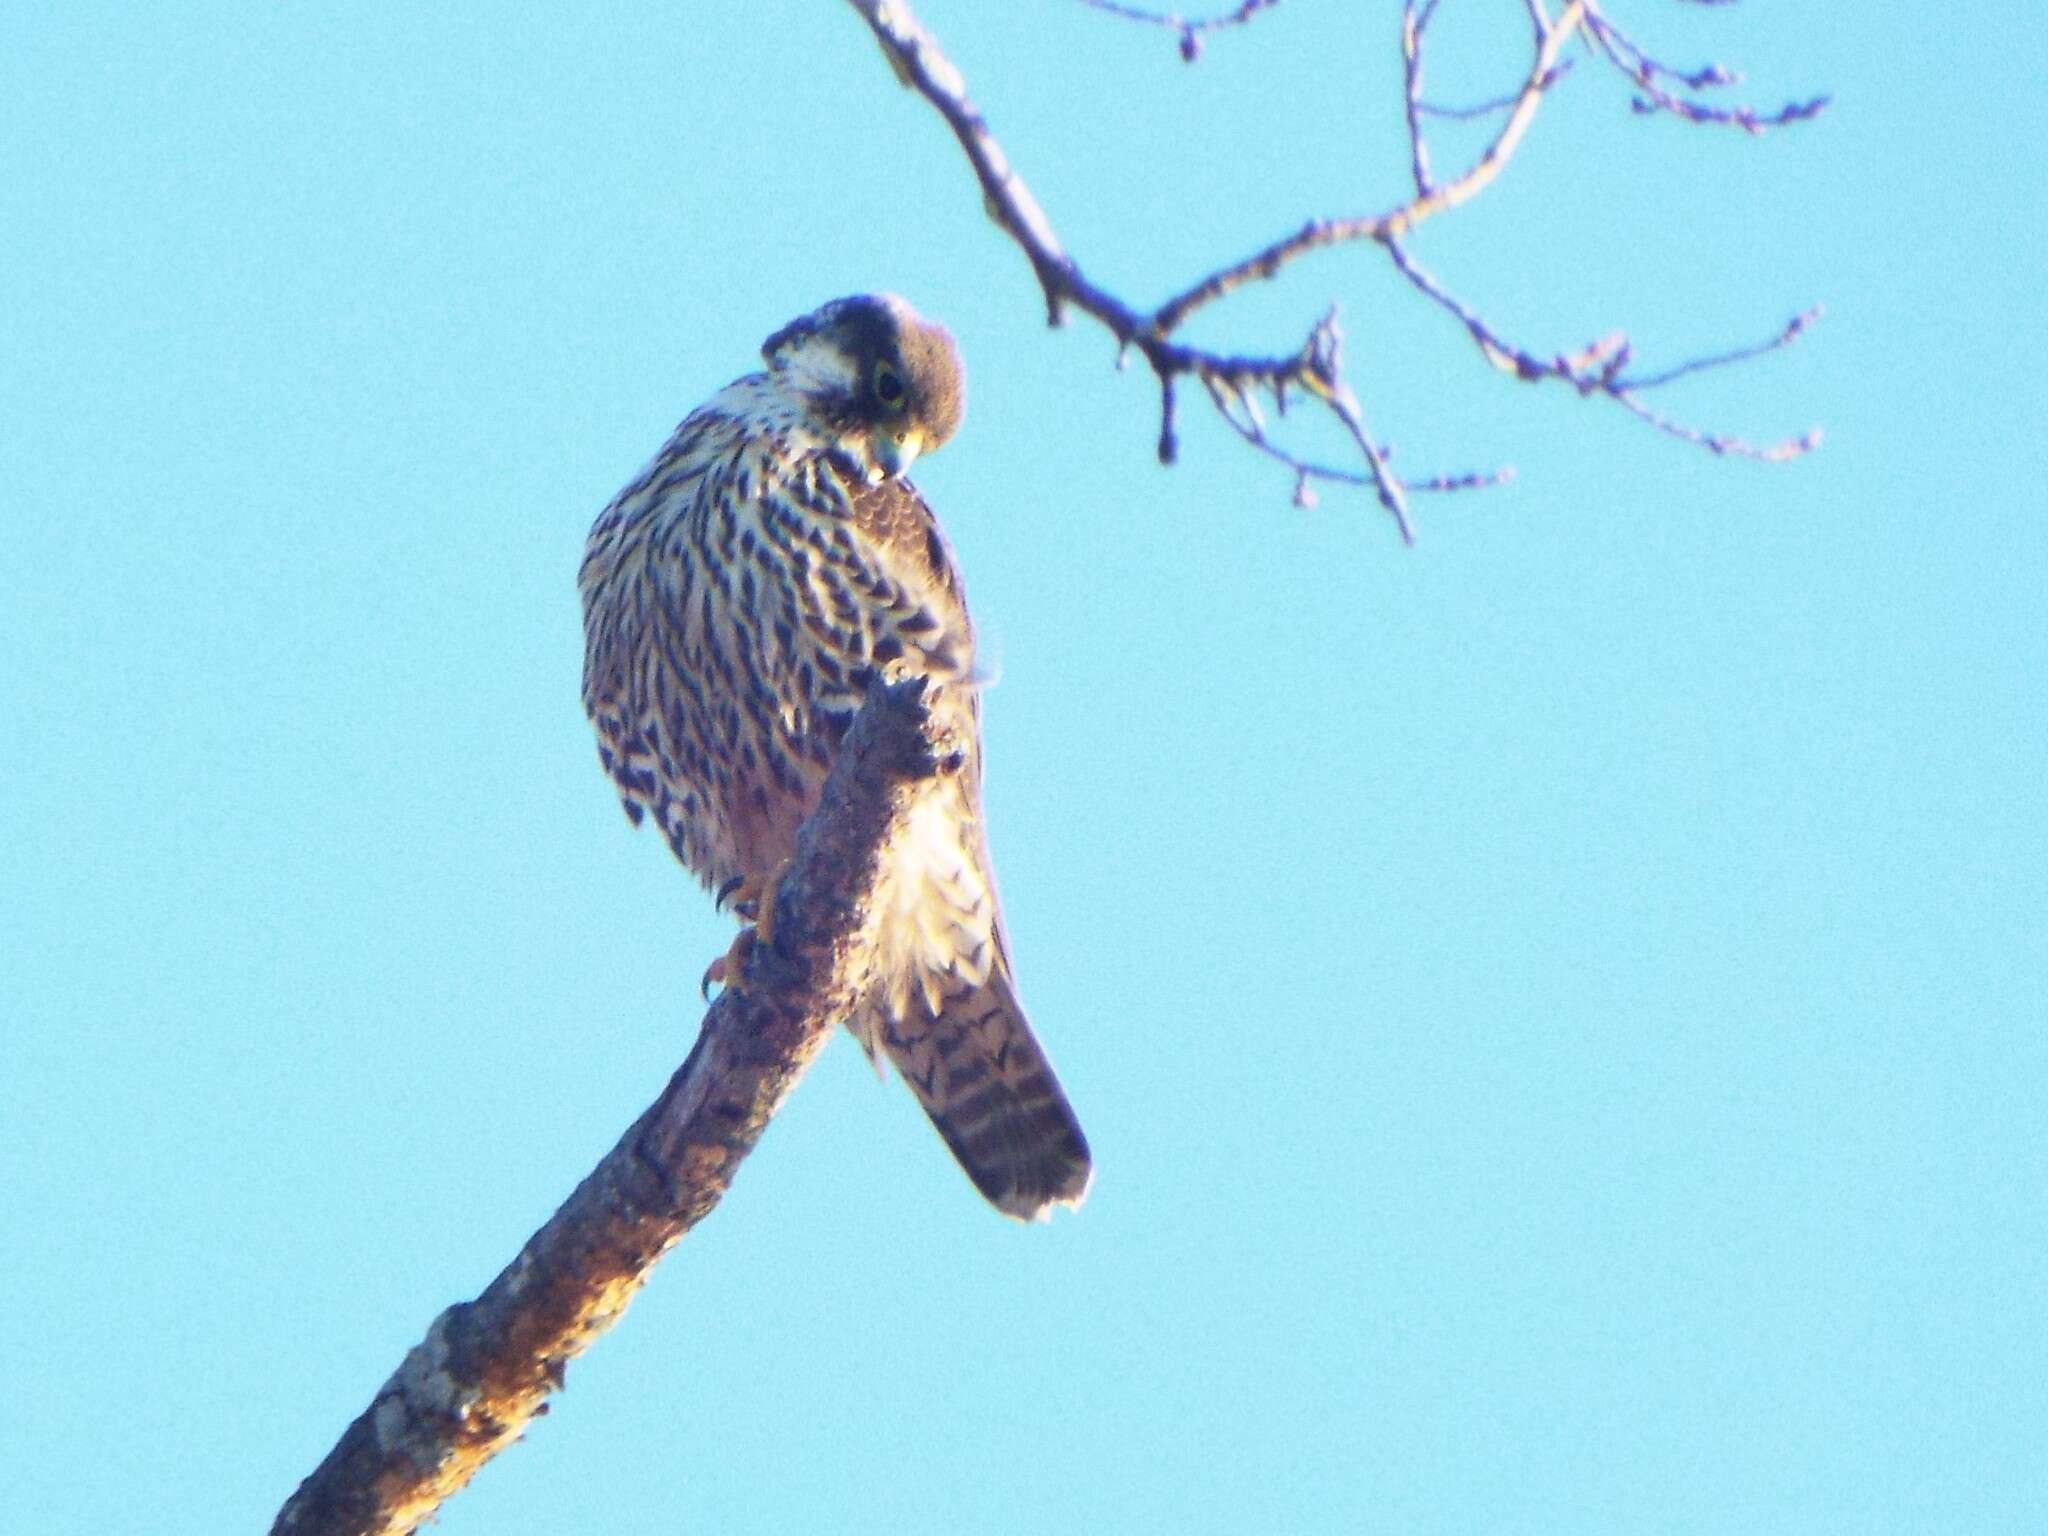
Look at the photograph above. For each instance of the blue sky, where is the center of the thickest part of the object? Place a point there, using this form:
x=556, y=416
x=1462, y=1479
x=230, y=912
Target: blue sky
x=1558, y=1010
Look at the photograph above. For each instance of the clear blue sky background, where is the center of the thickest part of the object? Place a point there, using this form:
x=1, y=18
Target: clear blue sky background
x=1559, y=1010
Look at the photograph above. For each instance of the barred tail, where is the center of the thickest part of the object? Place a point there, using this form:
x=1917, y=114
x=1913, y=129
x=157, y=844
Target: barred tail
x=979, y=1073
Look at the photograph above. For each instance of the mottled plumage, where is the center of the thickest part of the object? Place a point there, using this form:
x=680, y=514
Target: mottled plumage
x=737, y=597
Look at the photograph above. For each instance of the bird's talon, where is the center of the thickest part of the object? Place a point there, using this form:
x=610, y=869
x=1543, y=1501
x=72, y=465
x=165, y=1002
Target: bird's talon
x=729, y=969
x=763, y=915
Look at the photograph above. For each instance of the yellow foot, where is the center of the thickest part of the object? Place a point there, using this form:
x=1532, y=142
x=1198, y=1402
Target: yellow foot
x=729, y=967
x=753, y=897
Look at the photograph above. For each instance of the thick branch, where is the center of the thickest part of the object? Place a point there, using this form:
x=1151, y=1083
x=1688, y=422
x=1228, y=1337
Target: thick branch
x=487, y=1367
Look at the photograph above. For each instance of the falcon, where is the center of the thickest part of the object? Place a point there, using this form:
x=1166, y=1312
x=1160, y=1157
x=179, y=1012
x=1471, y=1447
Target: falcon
x=738, y=597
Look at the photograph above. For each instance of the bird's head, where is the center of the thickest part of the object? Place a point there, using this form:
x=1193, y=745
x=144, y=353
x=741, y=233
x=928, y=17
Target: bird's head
x=879, y=380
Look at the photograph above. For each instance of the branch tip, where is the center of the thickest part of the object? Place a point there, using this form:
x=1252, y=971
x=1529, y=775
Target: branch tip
x=1169, y=436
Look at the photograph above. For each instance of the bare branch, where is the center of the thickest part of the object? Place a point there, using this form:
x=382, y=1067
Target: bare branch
x=1600, y=368
x=1240, y=409
x=1471, y=480
x=1190, y=29
x=915, y=55
x=1488, y=108
x=1793, y=330
x=1719, y=443
x=1235, y=383
x=1322, y=375
x=1395, y=222
x=1413, y=24
x=1662, y=86
x=487, y=1367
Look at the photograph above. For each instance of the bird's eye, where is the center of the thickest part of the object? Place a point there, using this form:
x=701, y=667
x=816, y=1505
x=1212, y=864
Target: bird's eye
x=889, y=389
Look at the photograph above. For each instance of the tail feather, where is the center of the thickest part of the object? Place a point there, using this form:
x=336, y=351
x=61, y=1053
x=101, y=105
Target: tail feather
x=981, y=1075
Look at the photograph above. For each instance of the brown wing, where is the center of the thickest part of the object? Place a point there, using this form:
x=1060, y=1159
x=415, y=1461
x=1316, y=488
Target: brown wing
x=947, y=1011
x=736, y=596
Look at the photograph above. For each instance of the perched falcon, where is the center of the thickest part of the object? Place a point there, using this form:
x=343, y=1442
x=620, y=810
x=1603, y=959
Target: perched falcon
x=738, y=596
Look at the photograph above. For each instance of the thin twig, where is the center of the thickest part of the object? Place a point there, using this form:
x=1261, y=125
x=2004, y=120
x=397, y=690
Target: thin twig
x=1488, y=108
x=1190, y=29
x=1601, y=368
x=1720, y=443
x=1792, y=331
x=1662, y=86
x=1413, y=24
x=1395, y=222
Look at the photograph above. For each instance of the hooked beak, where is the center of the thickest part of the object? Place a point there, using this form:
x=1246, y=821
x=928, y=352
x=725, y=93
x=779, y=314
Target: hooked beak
x=896, y=452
